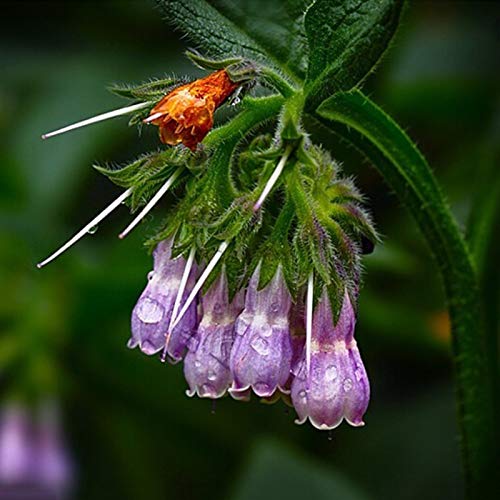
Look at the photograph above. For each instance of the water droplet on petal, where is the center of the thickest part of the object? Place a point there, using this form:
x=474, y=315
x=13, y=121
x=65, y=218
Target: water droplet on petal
x=302, y=394
x=262, y=389
x=358, y=374
x=212, y=375
x=347, y=385
x=150, y=275
x=149, y=310
x=260, y=345
x=197, y=364
x=331, y=373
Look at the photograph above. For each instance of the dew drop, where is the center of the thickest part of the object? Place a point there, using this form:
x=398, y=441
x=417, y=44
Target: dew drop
x=261, y=389
x=260, y=345
x=275, y=307
x=302, y=394
x=197, y=364
x=212, y=375
x=347, y=385
x=358, y=374
x=331, y=373
x=266, y=331
x=217, y=308
x=93, y=230
x=149, y=310
x=330, y=436
x=150, y=275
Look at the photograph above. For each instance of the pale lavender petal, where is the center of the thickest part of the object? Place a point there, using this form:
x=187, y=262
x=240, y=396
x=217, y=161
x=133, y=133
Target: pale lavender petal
x=262, y=351
x=336, y=386
x=152, y=313
x=206, y=365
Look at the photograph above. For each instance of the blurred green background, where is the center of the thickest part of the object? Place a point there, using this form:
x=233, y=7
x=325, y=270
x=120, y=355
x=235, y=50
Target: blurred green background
x=63, y=330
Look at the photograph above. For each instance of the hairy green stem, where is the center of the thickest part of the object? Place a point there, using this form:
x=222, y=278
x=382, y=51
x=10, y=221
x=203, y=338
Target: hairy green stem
x=403, y=167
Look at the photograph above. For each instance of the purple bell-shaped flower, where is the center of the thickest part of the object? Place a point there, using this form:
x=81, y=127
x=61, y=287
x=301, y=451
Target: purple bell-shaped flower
x=206, y=365
x=152, y=313
x=15, y=446
x=334, y=384
x=262, y=351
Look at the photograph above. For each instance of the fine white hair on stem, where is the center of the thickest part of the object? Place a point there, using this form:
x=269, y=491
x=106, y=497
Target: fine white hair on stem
x=178, y=297
x=98, y=118
x=272, y=180
x=85, y=230
x=309, y=314
x=201, y=281
x=152, y=202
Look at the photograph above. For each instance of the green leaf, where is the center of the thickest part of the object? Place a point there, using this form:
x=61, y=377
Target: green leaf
x=275, y=472
x=346, y=39
x=267, y=32
x=403, y=167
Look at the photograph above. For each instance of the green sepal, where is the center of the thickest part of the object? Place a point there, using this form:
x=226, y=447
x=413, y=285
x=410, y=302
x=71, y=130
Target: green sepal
x=152, y=91
x=290, y=128
x=146, y=174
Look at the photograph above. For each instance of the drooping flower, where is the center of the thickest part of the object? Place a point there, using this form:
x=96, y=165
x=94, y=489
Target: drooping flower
x=262, y=351
x=53, y=467
x=34, y=462
x=153, y=312
x=335, y=385
x=185, y=115
x=206, y=365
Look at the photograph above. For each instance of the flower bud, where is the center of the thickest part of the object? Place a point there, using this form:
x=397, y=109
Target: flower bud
x=152, y=313
x=206, y=365
x=335, y=385
x=185, y=115
x=262, y=351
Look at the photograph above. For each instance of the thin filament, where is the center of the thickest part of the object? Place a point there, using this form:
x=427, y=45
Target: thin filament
x=85, y=230
x=152, y=202
x=309, y=314
x=272, y=180
x=201, y=280
x=178, y=298
x=98, y=118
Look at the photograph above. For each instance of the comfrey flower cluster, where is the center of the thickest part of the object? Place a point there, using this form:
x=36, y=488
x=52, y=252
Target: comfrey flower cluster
x=256, y=270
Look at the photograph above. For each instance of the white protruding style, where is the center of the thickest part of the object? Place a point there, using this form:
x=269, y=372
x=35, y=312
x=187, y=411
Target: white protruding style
x=152, y=118
x=88, y=228
x=201, y=281
x=182, y=287
x=309, y=317
x=178, y=298
x=272, y=180
x=152, y=202
x=99, y=118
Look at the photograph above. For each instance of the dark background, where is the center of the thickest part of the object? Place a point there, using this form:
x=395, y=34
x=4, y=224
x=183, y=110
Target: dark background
x=63, y=330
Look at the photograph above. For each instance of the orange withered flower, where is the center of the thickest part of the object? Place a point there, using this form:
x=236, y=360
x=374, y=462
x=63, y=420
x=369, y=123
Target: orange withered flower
x=186, y=114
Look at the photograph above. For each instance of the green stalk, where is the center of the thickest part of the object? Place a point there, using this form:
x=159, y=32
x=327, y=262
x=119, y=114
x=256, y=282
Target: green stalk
x=403, y=167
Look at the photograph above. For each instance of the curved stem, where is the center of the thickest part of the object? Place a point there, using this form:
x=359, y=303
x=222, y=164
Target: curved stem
x=403, y=167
